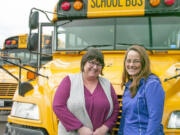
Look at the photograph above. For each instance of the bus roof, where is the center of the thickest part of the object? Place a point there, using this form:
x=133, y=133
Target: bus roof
x=109, y=8
x=16, y=42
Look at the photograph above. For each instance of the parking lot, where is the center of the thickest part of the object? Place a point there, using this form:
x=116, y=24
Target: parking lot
x=2, y=127
x=3, y=121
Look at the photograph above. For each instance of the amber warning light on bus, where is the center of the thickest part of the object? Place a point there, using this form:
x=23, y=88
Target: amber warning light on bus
x=66, y=5
x=47, y=42
x=30, y=75
x=154, y=3
x=78, y=5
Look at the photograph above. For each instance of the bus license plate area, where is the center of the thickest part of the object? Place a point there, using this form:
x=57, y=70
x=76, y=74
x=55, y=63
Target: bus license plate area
x=1, y=103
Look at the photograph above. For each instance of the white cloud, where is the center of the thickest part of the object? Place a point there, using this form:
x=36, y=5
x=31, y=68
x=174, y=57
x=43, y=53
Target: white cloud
x=15, y=14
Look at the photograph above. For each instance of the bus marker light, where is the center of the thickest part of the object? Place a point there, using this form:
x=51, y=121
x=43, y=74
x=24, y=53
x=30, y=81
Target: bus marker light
x=154, y=3
x=13, y=42
x=169, y=2
x=8, y=42
x=65, y=5
x=30, y=75
x=47, y=42
x=78, y=5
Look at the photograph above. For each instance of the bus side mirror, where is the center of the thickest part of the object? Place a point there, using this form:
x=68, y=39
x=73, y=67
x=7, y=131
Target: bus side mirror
x=32, y=42
x=34, y=20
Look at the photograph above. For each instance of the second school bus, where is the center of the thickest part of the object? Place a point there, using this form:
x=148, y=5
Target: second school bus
x=111, y=26
x=14, y=53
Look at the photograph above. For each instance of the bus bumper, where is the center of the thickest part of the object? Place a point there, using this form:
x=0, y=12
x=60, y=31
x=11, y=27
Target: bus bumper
x=20, y=130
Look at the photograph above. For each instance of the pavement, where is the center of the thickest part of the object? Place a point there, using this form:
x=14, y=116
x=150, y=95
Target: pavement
x=3, y=121
x=2, y=127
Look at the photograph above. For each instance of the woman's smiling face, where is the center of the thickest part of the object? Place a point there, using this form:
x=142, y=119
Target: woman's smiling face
x=133, y=63
x=92, y=68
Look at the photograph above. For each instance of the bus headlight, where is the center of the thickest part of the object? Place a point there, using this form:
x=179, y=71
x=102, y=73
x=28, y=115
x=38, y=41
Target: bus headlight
x=174, y=120
x=25, y=110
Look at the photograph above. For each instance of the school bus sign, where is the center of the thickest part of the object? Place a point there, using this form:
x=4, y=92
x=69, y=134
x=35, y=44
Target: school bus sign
x=105, y=8
x=23, y=41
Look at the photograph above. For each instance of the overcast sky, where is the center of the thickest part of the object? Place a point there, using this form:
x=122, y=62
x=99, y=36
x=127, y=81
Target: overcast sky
x=14, y=15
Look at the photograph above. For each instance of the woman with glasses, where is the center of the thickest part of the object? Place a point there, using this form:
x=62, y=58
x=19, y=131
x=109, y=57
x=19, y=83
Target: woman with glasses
x=143, y=98
x=85, y=103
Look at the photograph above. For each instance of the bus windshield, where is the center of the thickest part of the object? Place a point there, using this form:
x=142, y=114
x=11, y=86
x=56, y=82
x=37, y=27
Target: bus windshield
x=16, y=47
x=26, y=57
x=119, y=33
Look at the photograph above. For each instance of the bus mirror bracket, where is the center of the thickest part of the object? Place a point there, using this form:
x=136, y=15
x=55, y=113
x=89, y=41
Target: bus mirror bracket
x=32, y=41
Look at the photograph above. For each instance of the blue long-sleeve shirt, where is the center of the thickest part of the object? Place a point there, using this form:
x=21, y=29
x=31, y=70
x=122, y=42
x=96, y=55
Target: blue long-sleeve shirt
x=142, y=114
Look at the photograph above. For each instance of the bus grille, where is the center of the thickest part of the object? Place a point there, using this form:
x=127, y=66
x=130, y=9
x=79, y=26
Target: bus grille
x=116, y=128
x=7, y=89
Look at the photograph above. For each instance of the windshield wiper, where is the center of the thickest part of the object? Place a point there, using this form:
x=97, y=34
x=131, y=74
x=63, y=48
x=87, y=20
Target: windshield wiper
x=173, y=77
x=43, y=54
x=89, y=46
x=126, y=44
x=30, y=65
x=129, y=44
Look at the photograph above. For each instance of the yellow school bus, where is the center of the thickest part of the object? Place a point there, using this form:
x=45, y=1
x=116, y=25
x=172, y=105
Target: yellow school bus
x=111, y=26
x=14, y=53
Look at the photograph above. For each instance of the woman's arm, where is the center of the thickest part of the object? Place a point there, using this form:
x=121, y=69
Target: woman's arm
x=155, y=97
x=69, y=121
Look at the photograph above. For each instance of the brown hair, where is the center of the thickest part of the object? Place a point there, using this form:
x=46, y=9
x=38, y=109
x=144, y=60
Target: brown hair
x=144, y=73
x=92, y=54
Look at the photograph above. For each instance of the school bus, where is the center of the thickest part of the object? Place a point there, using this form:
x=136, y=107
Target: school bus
x=14, y=53
x=111, y=26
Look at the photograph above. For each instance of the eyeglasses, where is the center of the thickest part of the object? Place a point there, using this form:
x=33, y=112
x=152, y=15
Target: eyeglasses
x=93, y=63
x=136, y=61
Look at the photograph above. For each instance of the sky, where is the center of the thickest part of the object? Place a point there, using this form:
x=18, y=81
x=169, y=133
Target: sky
x=14, y=15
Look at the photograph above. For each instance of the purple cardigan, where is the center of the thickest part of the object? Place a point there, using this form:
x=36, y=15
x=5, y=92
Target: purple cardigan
x=97, y=106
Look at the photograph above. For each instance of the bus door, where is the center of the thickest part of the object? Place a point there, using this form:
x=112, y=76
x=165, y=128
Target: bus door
x=45, y=44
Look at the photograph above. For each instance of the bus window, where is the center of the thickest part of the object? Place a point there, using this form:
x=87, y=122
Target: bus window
x=61, y=40
x=120, y=33
x=165, y=33
x=82, y=33
x=134, y=30
x=22, y=54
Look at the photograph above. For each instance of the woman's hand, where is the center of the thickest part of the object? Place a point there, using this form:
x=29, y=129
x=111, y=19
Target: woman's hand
x=85, y=131
x=101, y=131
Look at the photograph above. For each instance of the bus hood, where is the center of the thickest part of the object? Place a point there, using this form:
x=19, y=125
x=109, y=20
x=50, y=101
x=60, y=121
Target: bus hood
x=5, y=77
x=164, y=66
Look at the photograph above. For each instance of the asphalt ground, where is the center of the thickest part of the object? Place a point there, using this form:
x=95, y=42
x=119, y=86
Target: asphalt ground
x=3, y=121
x=2, y=127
